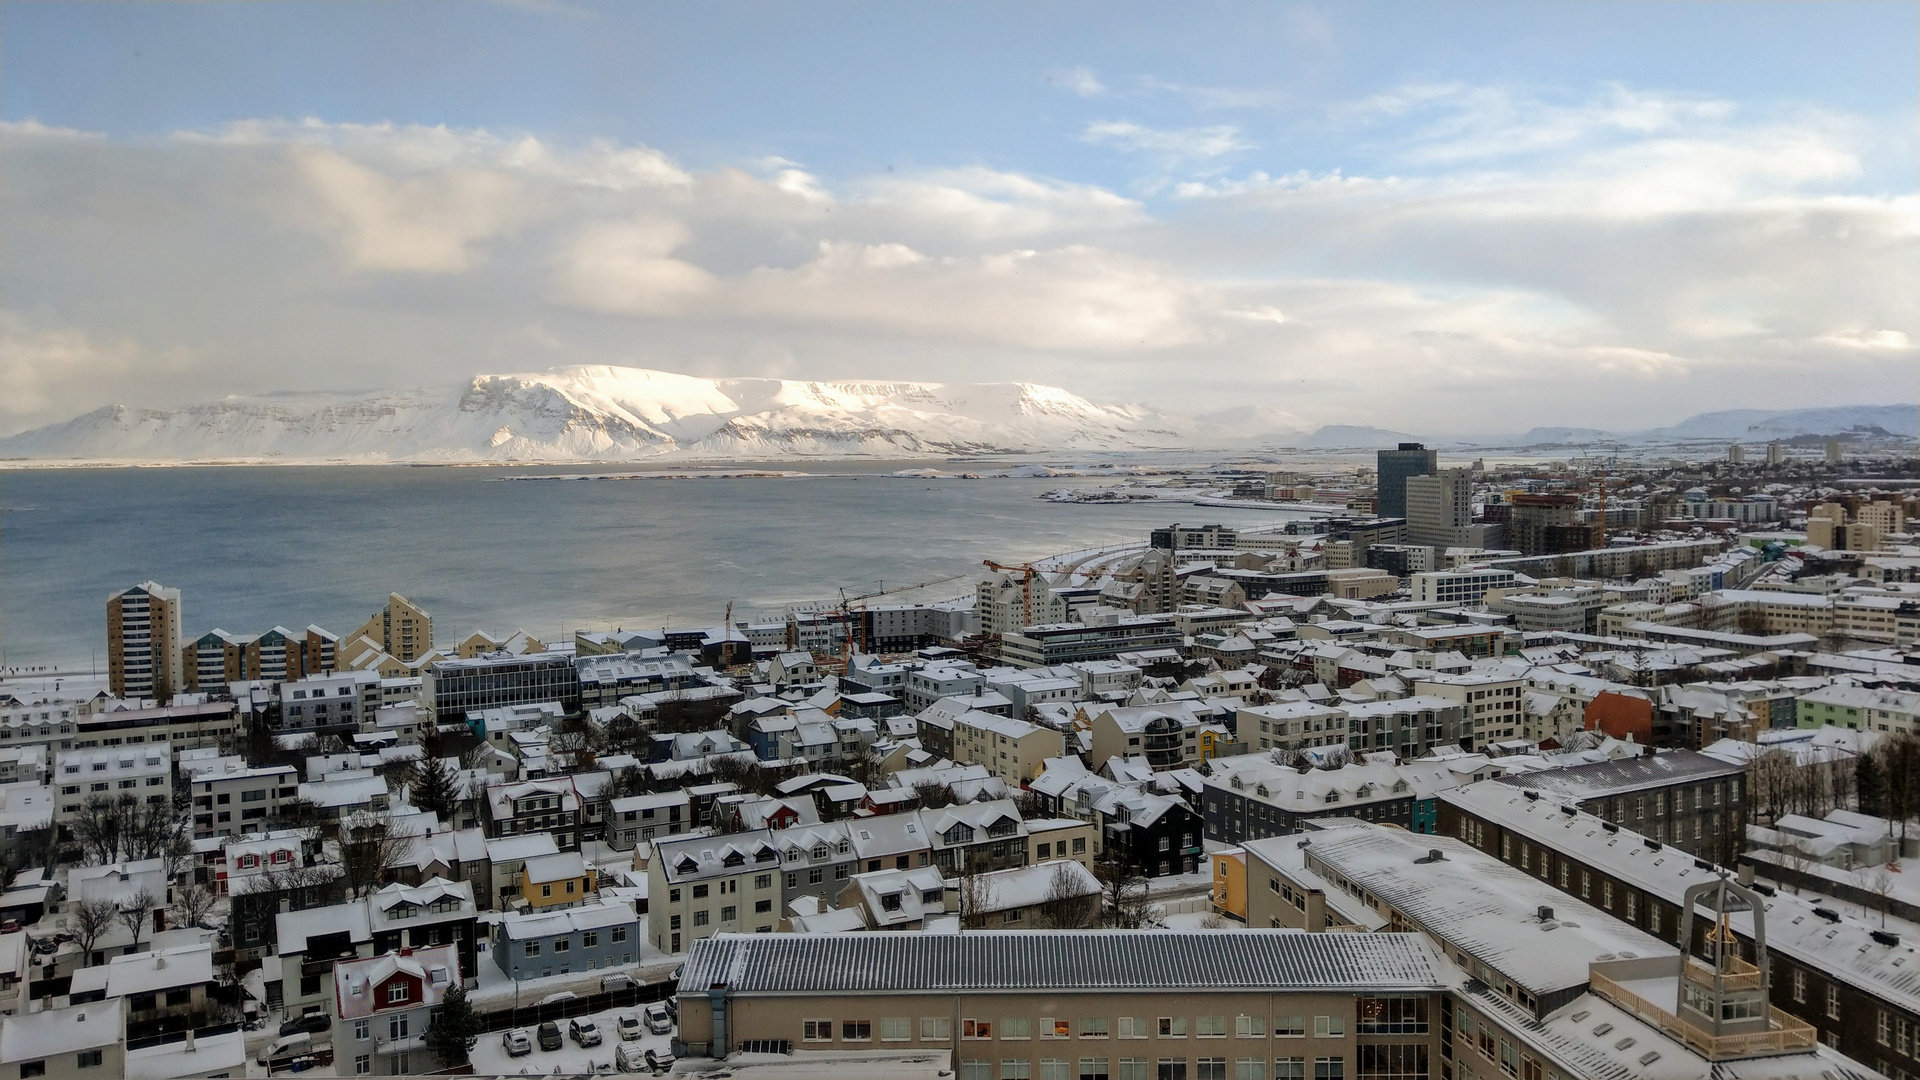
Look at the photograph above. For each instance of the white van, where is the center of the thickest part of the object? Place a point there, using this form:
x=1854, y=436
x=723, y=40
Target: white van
x=287, y=1046
x=630, y=1058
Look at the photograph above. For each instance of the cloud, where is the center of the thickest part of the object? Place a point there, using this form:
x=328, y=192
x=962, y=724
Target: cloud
x=1173, y=146
x=1485, y=258
x=1077, y=80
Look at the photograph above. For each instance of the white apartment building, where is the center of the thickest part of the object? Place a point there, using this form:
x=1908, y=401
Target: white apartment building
x=1459, y=586
x=144, y=772
x=230, y=799
x=1494, y=703
x=1013, y=750
x=338, y=699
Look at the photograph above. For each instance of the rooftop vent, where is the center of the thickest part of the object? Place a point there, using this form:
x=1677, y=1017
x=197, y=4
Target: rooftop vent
x=1545, y=912
x=1433, y=855
x=1652, y=844
x=1533, y=796
x=1762, y=888
x=1610, y=826
x=1571, y=811
x=1885, y=937
x=1827, y=913
x=1702, y=864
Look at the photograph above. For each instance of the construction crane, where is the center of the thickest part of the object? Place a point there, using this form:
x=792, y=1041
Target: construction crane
x=847, y=603
x=1027, y=572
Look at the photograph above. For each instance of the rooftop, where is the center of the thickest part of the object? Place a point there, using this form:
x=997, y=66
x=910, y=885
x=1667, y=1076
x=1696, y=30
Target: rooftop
x=1022, y=961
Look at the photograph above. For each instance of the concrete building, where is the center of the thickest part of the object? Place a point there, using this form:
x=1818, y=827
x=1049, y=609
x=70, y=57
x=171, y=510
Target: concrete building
x=401, y=629
x=143, y=642
x=1013, y=750
x=695, y=886
x=1088, y=1003
x=592, y=937
x=144, y=773
x=450, y=689
x=1068, y=643
x=1440, y=509
x=1459, y=586
x=1395, y=468
x=1492, y=704
x=1692, y=801
x=339, y=702
x=231, y=799
x=1546, y=525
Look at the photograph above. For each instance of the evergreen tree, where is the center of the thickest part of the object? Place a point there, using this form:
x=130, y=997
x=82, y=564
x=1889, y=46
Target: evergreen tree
x=453, y=1030
x=1869, y=784
x=435, y=788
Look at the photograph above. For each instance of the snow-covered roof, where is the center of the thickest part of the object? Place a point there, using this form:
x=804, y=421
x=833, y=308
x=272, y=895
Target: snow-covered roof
x=355, y=981
x=30, y=1035
x=555, y=923
x=558, y=866
x=1231, y=961
x=223, y=1054
x=295, y=928
x=147, y=972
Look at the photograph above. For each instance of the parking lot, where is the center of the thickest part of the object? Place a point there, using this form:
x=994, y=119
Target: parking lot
x=490, y=1057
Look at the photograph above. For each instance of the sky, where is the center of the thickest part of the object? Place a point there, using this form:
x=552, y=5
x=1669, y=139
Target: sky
x=1446, y=218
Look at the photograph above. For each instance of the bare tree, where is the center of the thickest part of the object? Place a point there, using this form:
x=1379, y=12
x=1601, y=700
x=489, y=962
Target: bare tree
x=192, y=903
x=137, y=914
x=1876, y=881
x=1796, y=860
x=1125, y=902
x=368, y=846
x=1068, y=905
x=976, y=892
x=88, y=921
x=933, y=794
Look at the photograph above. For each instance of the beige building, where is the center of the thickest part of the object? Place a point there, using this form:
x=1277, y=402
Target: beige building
x=481, y=643
x=80, y=1042
x=1112, y=1003
x=143, y=642
x=401, y=630
x=1013, y=750
x=1493, y=702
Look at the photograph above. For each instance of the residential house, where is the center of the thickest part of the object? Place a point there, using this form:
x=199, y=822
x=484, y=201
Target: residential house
x=382, y=1007
x=591, y=937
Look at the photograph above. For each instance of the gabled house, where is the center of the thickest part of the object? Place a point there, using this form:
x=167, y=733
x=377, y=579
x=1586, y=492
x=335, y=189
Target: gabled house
x=435, y=912
x=550, y=806
x=382, y=1007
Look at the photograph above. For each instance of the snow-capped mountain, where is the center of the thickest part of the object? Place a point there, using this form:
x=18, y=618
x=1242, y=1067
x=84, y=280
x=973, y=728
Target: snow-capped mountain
x=1785, y=424
x=606, y=414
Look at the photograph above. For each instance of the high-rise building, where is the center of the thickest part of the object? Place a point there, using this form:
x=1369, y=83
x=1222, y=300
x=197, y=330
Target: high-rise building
x=1544, y=525
x=143, y=642
x=1775, y=453
x=1395, y=467
x=1440, y=509
x=1736, y=454
x=402, y=630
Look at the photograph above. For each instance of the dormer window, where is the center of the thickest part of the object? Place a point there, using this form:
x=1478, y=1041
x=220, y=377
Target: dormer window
x=396, y=993
x=282, y=856
x=734, y=858
x=820, y=851
x=248, y=862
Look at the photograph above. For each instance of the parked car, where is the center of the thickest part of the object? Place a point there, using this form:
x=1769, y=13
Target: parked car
x=656, y=1018
x=312, y=1023
x=630, y=1028
x=517, y=1042
x=287, y=1046
x=555, y=999
x=583, y=1031
x=630, y=1058
x=659, y=1061
x=549, y=1035
x=673, y=1008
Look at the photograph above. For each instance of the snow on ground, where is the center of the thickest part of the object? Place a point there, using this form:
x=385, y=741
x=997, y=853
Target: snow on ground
x=497, y=991
x=490, y=1058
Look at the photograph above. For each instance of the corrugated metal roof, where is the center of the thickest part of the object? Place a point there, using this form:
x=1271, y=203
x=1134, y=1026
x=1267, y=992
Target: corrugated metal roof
x=1014, y=961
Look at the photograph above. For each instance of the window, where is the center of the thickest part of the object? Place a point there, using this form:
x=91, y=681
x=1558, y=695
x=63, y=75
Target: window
x=1055, y=1069
x=87, y=1059
x=362, y=1031
x=1173, y=1027
x=896, y=1029
x=619, y=935
x=1093, y=1069
x=976, y=1029
x=1133, y=1027
x=700, y=892
x=761, y=907
x=397, y=1027
x=1408, y=1061
x=976, y=1070
x=936, y=1028
x=363, y=1064
x=1052, y=1027
x=1210, y=1069
x=1093, y=1027
x=1015, y=1027
x=396, y=993
x=1289, y=1069
x=1883, y=1029
x=1289, y=1027
x=1833, y=1001
x=1016, y=1070
x=1250, y=1069
x=816, y=1030
x=1250, y=1027
x=32, y=1068
x=763, y=881
x=856, y=1031
x=1134, y=1068
x=1171, y=1069
x=1800, y=985
x=546, y=890
x=701, y=918
x=1393, y=1016
x=589, y=939
x=1330, y=1068
x=729, y=913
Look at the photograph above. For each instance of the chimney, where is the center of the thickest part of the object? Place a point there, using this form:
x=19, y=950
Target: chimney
x=189, y=1046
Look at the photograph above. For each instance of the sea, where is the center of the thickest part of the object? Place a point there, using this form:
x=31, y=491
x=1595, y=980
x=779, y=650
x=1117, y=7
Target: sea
x=259, y=546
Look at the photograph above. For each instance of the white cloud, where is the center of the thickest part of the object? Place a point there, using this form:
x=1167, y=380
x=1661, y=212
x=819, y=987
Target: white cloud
x=1077, y=80
x=1172, y=145
x=1498, y=260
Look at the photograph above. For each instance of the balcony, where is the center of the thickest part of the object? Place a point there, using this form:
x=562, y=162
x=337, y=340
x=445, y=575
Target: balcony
x=1785, y=1034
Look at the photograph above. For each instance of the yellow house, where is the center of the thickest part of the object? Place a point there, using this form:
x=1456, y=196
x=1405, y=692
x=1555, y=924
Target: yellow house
x=1230, y=883
x=1215, y=741
x=551, y=882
